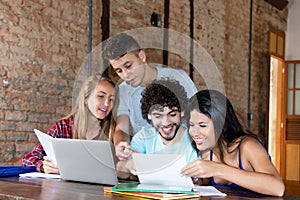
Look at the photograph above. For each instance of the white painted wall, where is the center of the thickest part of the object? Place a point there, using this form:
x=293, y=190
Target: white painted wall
x=292, y=50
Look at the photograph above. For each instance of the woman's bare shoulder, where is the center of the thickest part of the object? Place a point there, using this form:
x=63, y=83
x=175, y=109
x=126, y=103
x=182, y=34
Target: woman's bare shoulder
x=251, y=143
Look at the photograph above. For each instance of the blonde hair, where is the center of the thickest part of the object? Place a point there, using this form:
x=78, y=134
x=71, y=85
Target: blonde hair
x=81, y=111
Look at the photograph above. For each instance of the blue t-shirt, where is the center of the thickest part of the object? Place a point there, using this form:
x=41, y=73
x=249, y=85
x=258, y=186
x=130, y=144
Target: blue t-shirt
x=149, y=141
x=130, y=97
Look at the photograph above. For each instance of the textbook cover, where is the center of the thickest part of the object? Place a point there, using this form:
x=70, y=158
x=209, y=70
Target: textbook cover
x=152, y=195
x=137, y=187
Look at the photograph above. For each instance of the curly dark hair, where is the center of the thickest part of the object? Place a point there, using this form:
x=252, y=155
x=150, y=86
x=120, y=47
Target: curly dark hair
x=162, y=93
x=118, y=45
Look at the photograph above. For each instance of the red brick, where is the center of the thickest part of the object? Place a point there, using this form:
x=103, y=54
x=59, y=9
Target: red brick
x=44, y=44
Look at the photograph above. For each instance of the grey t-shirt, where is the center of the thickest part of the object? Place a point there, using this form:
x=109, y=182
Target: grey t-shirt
x=130, y=97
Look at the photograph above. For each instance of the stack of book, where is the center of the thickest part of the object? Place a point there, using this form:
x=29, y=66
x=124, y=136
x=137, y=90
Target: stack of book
x=149, y=192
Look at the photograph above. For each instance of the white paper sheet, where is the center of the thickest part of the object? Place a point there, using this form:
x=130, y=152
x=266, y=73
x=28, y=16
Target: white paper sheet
x=162, y=169
x=208, y=191
x=39, y=175
x=46, y=141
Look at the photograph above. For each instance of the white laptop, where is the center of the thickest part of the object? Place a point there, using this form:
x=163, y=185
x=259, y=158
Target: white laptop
x=81, y=160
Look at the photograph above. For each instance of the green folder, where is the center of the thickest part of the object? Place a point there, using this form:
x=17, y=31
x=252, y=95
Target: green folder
x=137, y=187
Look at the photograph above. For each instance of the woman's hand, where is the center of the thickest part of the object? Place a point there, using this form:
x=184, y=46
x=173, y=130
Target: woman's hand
x=200, y=169
x=49, y=167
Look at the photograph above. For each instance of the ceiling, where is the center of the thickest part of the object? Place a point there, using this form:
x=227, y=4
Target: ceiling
x=279, y=4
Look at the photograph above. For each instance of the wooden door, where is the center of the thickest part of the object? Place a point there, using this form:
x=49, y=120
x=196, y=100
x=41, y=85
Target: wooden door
x=276, y=111
x=292, y=121
x=275, y=100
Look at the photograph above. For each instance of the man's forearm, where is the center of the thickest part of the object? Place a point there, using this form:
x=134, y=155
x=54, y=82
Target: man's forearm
x=120, y=136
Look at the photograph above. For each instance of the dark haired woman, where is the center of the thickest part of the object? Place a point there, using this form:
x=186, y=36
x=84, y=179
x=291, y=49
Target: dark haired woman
x=231, y=156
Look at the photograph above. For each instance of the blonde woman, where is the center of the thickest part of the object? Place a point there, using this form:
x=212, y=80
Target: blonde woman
x=91, y=119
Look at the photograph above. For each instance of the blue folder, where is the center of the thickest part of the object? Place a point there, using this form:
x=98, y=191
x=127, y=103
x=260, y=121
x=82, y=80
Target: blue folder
x=6, y=171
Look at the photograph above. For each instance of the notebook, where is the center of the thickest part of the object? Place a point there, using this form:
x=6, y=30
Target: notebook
x=151, y=195
x=140, y=187
x=81, y=160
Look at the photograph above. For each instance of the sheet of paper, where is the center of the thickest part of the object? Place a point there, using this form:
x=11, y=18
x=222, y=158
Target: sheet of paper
x=46, y=141
x=39, y=175
x=162, y=169
x=208, y=191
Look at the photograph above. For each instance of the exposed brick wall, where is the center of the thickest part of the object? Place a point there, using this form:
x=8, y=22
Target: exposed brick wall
x=43, y=45
x=179, y=20
x=126, y=15
x=264, y=16
x=223, y=30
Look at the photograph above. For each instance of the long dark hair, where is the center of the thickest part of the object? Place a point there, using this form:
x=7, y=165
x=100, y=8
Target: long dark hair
x=219, y=109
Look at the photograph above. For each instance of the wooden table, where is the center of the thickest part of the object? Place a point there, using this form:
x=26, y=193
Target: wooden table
x=37, y=188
